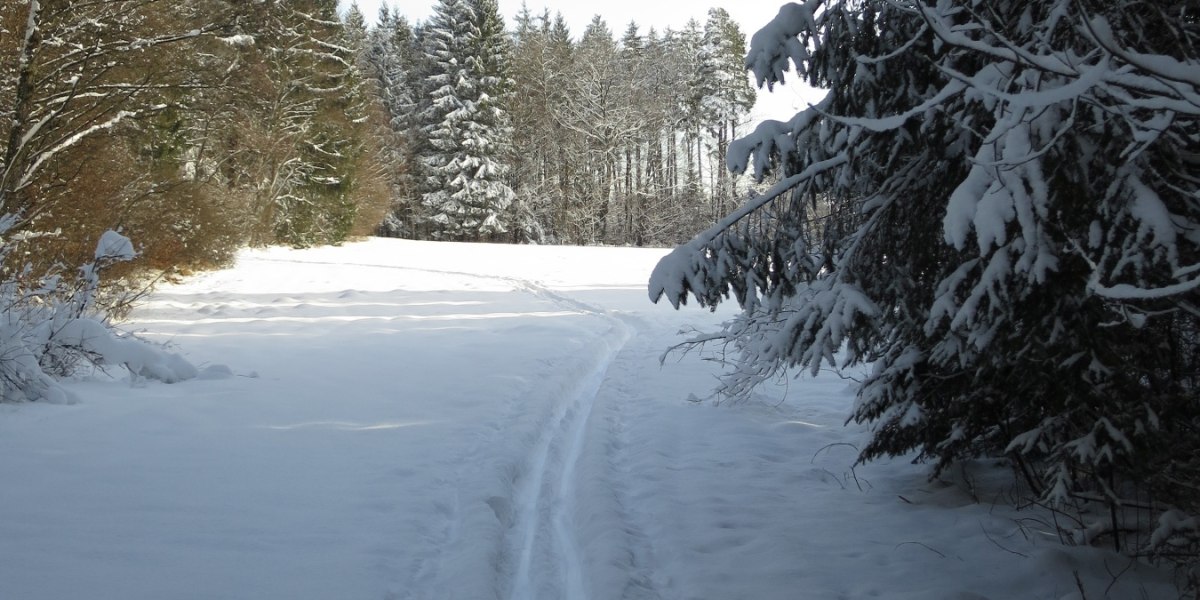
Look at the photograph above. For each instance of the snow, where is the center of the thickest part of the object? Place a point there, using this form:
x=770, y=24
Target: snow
x=143, y=360
x=114, y=246
x=775, y=47
x=398, y=419
x=241, y=40
x=1158, y=64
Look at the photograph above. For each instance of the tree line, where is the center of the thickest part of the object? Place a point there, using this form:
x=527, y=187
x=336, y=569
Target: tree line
x=200, y=126
x=192, y=127
x=531, y=135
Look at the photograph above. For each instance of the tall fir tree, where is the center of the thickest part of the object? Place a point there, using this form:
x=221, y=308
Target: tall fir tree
x=690, y=60
x=465, y=123
x=321, y=207
x=390, y=62
x=725, y=96
x=304, y=127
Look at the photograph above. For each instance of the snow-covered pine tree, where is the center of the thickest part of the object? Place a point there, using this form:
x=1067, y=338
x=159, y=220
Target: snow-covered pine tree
x=689, y=51
x=534, y=98
x=996, y=207
x=308, y=154
x=543, y=157
x=725, y=95
x=495, y=49
x=354, y=23
x=390, y=60
x=321, y=60
x=465, y=194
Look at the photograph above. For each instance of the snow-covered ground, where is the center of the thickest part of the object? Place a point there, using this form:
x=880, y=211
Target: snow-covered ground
x=449, y=421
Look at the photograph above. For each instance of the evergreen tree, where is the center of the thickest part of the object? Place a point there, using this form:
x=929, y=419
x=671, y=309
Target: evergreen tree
x=994, y=206
x=355, y=25
x=689, y=55
x=465, y=123
x=390, y=61
x=531, y=109
x=322, y=66
x=304, y=128
x=725, y=95
x=561, y=169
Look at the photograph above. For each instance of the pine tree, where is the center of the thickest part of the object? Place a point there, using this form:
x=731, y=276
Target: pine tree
x=689, y=51
x=561, y=168
x=390, y=60
x=303, y=128
x=995, y=208
x=465, y=123
x=355, y=25
x=725, y=95
x=534, y=131
x=320, y=207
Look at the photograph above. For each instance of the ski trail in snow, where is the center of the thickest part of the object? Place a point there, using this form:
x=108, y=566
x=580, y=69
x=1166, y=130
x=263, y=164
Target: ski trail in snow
x=560, y=498
x=548, y=498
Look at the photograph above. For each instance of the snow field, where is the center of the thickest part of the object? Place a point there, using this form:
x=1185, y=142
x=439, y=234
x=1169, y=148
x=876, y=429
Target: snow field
x=405, y=420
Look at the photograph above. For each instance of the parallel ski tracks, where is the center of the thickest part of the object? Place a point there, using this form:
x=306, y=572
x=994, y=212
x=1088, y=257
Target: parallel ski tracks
x=547, y=560
x=547, y=496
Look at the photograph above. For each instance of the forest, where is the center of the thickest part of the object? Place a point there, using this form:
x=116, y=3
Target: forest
x=200, y=129
x=584, y=138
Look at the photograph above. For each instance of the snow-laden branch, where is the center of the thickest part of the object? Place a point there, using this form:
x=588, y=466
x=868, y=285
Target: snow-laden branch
x=676, y=273
x=1125, y=291
x=1161, y=65
x=771, y=140
x=1010, y=52
x=31, y=171
x=775, y=47
x=890, y=122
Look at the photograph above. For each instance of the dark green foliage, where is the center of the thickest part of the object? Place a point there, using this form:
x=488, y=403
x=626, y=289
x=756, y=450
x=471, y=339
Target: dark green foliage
x=996, y=208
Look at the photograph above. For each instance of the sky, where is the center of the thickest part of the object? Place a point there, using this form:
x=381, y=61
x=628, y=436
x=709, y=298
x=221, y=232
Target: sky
x=750, y=15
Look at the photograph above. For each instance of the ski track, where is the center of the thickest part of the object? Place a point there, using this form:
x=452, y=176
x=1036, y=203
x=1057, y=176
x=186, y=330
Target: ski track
x=545, y=523
x=547, y=496
x=549, y=501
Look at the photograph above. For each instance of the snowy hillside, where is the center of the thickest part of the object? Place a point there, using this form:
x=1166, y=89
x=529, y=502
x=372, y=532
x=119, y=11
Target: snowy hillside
x=396, y=419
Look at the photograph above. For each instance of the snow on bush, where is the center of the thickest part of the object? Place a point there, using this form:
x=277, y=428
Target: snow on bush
x=52, y=329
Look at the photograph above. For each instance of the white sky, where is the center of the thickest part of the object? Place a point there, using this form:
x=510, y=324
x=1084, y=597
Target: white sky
x=660, y=14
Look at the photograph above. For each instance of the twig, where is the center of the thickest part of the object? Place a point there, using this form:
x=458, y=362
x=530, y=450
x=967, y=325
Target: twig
x=828, y=446
x=835, y=477
x=854, y=474
x=998, y=545
x=1079, y=584
x=1117, y=576
x=925, y=546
